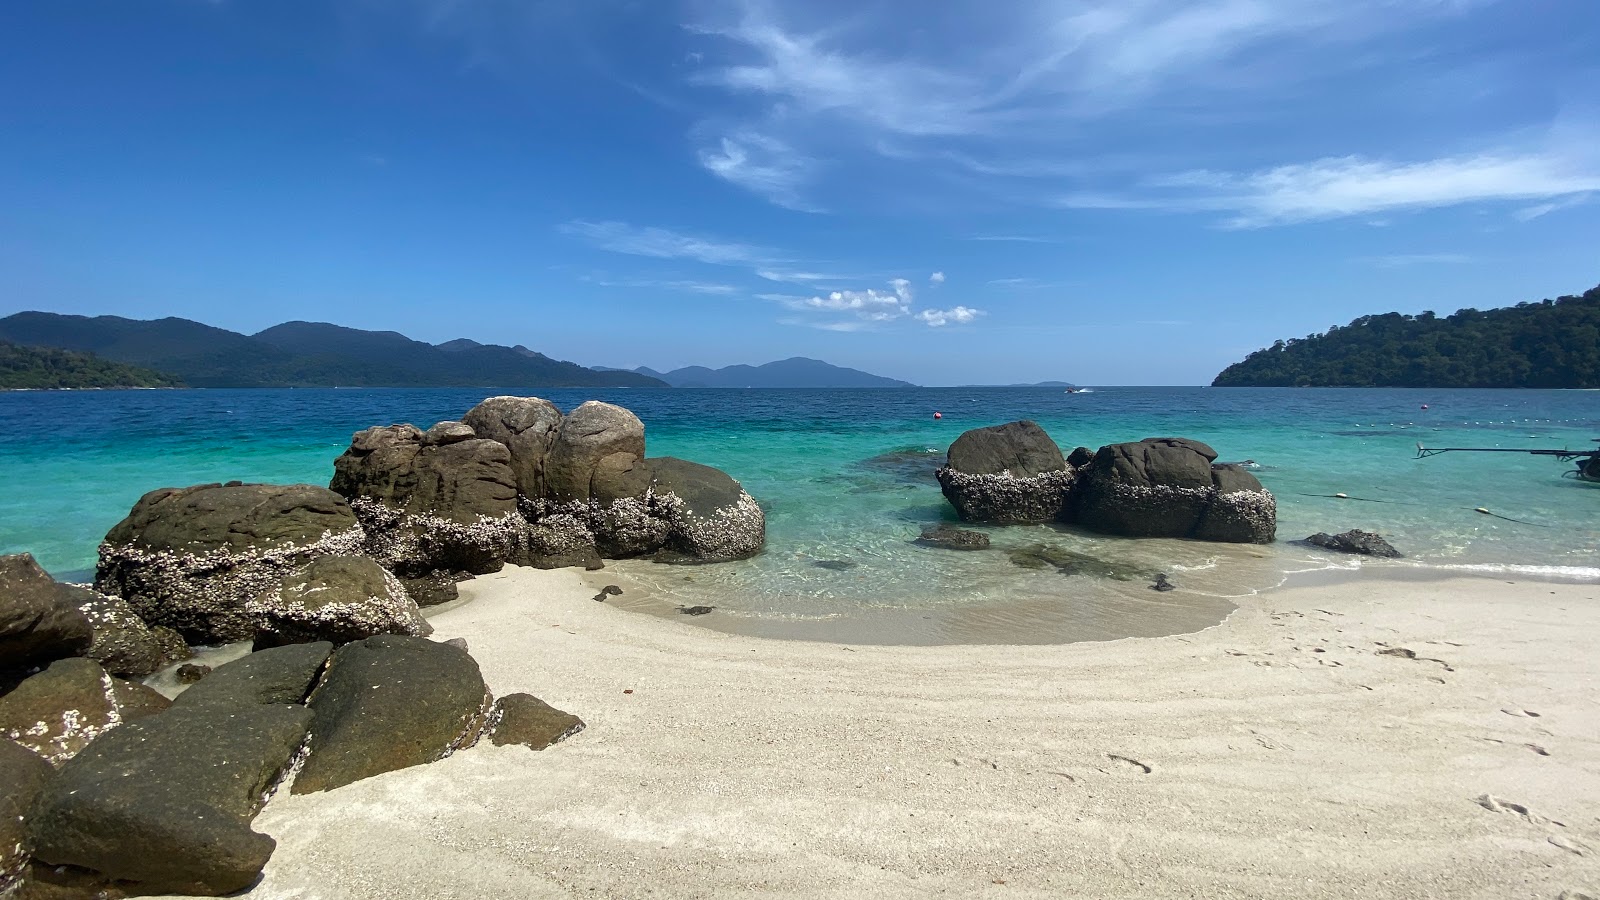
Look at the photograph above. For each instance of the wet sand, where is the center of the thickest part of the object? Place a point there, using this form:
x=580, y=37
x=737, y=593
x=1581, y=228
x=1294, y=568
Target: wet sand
x=1371, y=738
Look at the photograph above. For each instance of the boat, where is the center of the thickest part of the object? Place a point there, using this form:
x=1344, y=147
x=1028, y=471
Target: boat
x=1588, y=461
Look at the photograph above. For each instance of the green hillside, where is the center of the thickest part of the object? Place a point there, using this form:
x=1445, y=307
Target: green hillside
x=1548, y=344
x=50, y=369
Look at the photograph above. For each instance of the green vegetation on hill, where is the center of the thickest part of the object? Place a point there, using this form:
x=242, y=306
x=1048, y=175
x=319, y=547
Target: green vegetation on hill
x=46, y=368
x=1550, y=344
x=302, y=354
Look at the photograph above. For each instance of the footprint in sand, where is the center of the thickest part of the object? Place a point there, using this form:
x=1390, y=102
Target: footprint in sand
x=1405, y=653
x=1495, y=804
x=1569, y=845
x=1520, y=713
x=1130, y=761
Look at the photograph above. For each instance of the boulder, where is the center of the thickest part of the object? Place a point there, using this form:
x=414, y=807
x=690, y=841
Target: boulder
x=526, y=720
x=447, y=433
x=335, y=598
x=559, y=539
x=589, y=434
x=37, y=623
x=434, y=588
x=710, y=516
x=1007, y=474
x=1354, y=541
x=123, y=643
x=62, y=710
x=387, y=703
x=1168, y=487
x=277, y=676
x=949, y=537
x=166, y=802
x=1071, y=562
x=1080, y=457
x=526, y=426
x=192, y=558
x=23, y=774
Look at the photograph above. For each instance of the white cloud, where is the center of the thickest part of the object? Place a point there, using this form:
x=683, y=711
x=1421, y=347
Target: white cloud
x=764, y=166
x=662, y=243
x=688, y=285
x=871, y=305
x=936, y=278
x=959, y=315
x=1339, y=187
x=1528, y=214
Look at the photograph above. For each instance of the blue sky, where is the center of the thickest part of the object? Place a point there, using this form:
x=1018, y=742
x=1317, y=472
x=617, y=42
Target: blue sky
x=1099, y=191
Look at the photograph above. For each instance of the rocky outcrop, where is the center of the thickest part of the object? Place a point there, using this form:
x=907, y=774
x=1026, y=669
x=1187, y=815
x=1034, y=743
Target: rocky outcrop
x=1168, y=487
x=335, y=598
x=556, y=491
x=1365, y=543
x=191, y=559
x=37, y=622
x=1007, y=474
x=1158, y=487
x=526, y=720
x=387, y=703
x=948, y=537
x=273, y=677
x=23, y=775
x=166, y=802
x=62, y=710
x=123, y=643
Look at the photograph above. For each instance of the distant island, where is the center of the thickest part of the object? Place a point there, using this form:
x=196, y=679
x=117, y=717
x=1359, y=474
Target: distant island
x=796, y=372
x=299, y=354
x=1548, y=344
x=45, y=368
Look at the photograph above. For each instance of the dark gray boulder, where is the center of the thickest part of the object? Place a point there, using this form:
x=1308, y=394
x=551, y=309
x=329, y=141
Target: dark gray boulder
x=166, y=802
x=589, y=434
x=192, y=558
x=948, y=537
x=1007, y=474
x=1365, y=543
x=1168, y=487
x=335, y=598
x=1080, y=457
x=65, y=708
x=443, y=433
x=277, y=676
x=526, y=426
x=387, y=703
x=434, y=588
x=526, y=720
x=123, y=643
x=560, y=537
x=37, y=623
x=23, y=774
x=709, y=515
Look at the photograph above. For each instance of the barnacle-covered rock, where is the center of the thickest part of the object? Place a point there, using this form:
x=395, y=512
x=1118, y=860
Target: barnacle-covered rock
x=338, y=599
x=61, y=710
x=710, y=516
x=1168, y=487
x=123, y=643
x=37, y=623
x=1007, y=474
x=191, y=558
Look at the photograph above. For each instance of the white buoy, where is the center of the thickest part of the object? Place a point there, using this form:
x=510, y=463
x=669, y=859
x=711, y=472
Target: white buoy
x=1342, y=496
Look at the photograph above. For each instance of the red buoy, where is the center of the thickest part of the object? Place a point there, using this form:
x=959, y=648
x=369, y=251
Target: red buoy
x=938, y=415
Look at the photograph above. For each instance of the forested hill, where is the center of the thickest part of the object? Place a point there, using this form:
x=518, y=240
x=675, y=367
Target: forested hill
x=1548, y=344
x=44, y=368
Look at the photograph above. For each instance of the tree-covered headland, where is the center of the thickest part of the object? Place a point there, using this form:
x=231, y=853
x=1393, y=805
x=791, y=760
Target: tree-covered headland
x=1547, y=344
x=45, y=368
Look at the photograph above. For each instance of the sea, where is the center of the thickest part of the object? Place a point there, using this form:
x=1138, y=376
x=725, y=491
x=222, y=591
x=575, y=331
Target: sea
x=847, y=481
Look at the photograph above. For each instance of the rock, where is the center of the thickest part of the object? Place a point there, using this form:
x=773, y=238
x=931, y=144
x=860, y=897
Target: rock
x=525, y=719
x=1071, y=562
x=526, y=426
x=1080, y=457
x=278, y=676
x=189, y=673
x=559, y=540
x=949, y=537
x=434, y=588
x=695, y=610
x=712, y=519
x=335, y=598
x=389, y=702
x=835, y=565
x=1162, y=584
x=166, y=802
x=37, y=623
x=1007, y=474
x=123, y=643
x=1364, y=542
x=1167, y=487
x=60, y=711
x=192, y=558
x=589, y=434
x=459, y=643
x=447, y=433
x=23, y=774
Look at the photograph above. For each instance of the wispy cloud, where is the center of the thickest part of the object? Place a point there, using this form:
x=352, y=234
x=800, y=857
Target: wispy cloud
x=663, y=243
x=1339, y=187
x=1016, y=238
x=668, y=284
x=1529, y=213
x=762, y=165
x=1401, y=260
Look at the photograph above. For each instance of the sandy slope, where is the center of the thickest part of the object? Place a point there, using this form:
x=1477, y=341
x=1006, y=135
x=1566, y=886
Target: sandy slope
x=1277, y=755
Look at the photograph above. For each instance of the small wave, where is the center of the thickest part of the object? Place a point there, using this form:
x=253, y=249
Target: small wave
x=1574, y=574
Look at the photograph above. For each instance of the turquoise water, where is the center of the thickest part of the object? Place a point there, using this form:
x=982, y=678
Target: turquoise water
x=846, y=478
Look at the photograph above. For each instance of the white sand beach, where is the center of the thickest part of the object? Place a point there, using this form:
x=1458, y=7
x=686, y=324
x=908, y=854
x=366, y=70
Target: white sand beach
x=1283, y=753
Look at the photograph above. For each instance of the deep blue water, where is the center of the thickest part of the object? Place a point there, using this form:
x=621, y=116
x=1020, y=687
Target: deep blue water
x=74, y=463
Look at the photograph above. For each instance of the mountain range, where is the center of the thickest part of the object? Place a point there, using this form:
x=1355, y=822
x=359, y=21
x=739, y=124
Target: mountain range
x=795, y=372
x=302, y=354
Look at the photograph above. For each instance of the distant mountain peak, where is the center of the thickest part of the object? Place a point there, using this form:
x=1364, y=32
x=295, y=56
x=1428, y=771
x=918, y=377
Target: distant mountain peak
x=794, y=372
